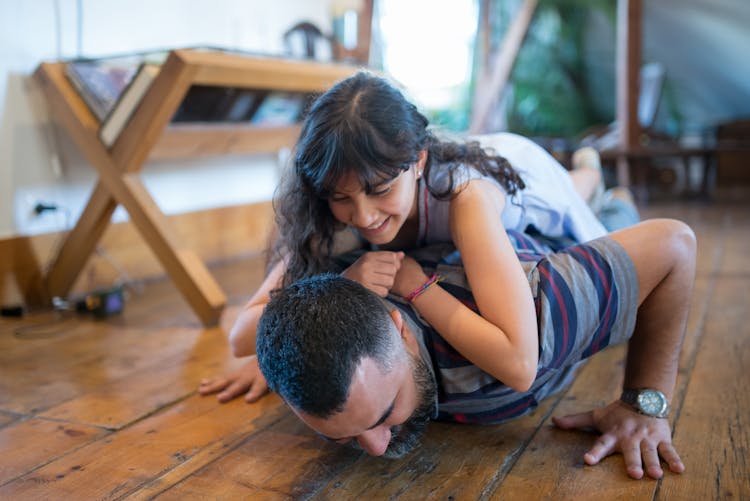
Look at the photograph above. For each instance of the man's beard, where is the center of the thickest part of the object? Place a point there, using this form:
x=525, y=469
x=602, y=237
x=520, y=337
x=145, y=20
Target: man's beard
x=406, y=436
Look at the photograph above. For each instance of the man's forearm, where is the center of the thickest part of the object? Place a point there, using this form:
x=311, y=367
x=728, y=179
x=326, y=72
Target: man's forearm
x=663, y=254
x=653, y=358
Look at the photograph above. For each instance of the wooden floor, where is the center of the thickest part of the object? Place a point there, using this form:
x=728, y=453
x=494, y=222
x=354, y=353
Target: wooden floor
x=108, y=410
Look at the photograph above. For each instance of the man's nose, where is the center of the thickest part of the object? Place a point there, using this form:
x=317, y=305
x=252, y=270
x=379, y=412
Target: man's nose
x=363, y=214
x=375, y=441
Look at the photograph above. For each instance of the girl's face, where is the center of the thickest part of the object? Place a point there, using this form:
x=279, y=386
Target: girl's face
x=379, y=215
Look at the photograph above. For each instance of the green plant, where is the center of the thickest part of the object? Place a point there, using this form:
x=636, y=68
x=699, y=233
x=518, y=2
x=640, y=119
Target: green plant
x=550, y=92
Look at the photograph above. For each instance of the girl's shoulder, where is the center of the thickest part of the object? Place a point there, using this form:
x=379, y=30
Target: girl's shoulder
x=459, y=173
x=455, y=177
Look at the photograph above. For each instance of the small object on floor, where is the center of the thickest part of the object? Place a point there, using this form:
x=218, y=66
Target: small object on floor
x=103, y=303
x=15, y=311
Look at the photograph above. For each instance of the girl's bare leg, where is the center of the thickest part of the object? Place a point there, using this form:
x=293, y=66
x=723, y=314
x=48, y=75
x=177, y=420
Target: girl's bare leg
x=587, y=173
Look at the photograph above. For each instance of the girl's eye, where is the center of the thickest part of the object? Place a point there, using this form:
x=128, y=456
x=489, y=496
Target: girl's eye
x=336, y=199
x=381, y=191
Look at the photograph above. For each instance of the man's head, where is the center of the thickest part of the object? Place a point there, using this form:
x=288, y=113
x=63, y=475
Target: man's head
x=348, y=367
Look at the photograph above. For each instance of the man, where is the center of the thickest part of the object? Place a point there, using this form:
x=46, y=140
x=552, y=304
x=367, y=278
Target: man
x=359, y=372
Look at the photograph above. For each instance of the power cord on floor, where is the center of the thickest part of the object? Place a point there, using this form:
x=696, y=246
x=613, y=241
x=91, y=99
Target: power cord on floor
x=46, y=329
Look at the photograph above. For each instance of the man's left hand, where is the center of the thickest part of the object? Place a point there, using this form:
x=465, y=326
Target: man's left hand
x=641, y=439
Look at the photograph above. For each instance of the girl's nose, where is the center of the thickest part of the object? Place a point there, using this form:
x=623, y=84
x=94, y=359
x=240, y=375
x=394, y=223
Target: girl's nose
x=363, y=215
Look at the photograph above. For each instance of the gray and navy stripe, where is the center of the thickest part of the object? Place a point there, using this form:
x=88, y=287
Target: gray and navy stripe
x=585, y=297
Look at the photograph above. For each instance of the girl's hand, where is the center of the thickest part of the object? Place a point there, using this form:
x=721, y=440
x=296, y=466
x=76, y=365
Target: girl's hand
x=409, y=277
x=376, y=270
x=247, y=379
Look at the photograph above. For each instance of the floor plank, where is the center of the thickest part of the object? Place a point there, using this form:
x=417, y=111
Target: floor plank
x=451, y=454
x=736, y=262
x=285, y=461
x=92, y=410
x=34, y=442
x=136, y=384
x=715, y=420
x=123, y=462
x=7, y=418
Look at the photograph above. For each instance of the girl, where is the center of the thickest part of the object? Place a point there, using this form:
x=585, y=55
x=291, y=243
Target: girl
x=368, y=173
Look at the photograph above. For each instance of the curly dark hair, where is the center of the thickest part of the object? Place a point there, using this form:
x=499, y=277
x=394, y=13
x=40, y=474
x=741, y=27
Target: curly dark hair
x=365, y=125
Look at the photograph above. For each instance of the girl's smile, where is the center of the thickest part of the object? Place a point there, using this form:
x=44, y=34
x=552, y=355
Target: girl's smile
x=375, y=230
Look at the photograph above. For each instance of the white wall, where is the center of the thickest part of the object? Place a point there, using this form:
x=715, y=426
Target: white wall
x=32, y=31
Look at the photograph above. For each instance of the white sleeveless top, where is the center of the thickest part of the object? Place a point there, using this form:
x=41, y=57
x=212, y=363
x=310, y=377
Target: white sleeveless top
x=549, y=202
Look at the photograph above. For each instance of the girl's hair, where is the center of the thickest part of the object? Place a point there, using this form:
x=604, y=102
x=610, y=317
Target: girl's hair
x=362, y=125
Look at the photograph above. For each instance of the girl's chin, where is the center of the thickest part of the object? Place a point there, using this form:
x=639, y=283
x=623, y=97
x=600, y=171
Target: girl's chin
x=378, y=239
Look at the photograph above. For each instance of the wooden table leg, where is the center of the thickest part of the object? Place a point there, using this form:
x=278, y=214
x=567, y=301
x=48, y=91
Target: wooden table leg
x=118, y=184
x=184, y=267
x=623, y=171
x=708, y=181
x=80, y=242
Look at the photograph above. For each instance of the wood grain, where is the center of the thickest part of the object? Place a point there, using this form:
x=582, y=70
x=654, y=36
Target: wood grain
x=714, y=418
x=34, y=442
x=93, y=410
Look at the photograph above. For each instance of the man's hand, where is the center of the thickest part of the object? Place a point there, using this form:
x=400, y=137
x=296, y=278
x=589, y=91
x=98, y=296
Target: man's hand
x=376, y=270
x=247, y=379
x=641, y=439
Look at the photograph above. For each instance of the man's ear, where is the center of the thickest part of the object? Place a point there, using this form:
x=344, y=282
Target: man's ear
x=407, y=336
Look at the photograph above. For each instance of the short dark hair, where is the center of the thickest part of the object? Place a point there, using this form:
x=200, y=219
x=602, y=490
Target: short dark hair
x=313, y=334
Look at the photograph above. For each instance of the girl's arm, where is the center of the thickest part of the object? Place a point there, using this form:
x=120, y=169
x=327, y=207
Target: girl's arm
x=242, y=334
x=503, y=341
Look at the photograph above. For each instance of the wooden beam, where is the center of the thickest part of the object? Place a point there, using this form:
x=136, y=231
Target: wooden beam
x=490, y=87
x=629, y=16
x=361, y=53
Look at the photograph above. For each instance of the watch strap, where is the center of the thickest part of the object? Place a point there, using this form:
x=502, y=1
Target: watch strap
x=630, y=397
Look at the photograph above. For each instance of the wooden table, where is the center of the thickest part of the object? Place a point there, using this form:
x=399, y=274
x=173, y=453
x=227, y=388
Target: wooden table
x=148, y=134
x=638, y=160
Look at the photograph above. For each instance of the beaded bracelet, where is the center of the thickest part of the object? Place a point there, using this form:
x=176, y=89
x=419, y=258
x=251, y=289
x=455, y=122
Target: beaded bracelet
x=433, y=279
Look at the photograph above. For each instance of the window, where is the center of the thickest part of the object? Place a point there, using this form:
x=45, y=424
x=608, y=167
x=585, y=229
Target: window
x=428, y=47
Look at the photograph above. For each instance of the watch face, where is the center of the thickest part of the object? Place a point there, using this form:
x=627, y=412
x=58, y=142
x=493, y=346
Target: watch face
x=651, y=402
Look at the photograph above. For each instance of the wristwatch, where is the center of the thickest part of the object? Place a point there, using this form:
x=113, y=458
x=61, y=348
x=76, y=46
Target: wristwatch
x=647, y=401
